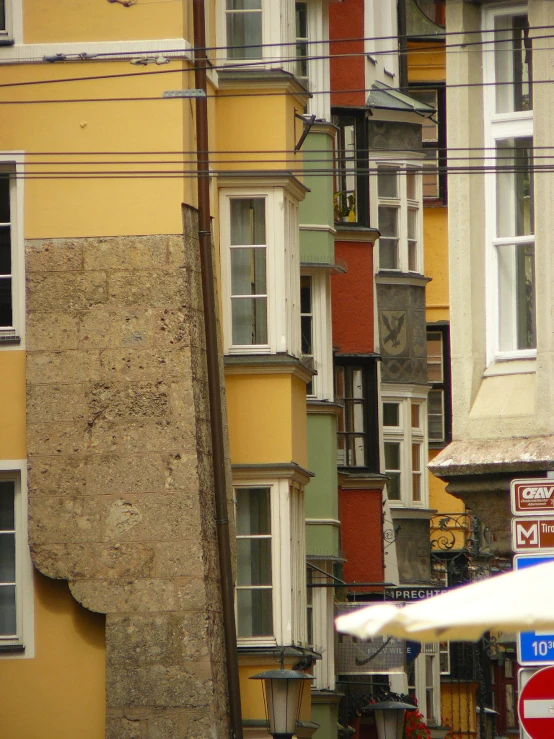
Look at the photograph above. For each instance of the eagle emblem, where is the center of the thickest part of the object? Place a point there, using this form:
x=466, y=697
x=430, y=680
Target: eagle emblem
x=393, y=331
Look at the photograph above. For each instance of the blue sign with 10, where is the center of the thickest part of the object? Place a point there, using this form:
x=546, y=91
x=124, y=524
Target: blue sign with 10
x=534, y=647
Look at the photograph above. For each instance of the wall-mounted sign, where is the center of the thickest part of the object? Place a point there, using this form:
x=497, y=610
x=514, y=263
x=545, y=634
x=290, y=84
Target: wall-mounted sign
x=532, y=534
x=532, y=497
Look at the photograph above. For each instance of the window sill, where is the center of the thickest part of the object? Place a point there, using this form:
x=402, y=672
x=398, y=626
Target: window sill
x=11, y=648
x=515, y=366
x=10, y=341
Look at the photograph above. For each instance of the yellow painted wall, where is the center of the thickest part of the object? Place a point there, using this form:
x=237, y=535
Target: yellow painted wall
x=80, y=20
x=435, y=232
x=246, y=122
x=118, y=201
x=438, y=497
x=267, y=419
x=60, y=693
x=13, y=441
x=459, y=705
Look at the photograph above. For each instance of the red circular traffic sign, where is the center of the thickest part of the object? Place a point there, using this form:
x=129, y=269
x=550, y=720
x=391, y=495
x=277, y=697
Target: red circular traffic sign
x=536, y=705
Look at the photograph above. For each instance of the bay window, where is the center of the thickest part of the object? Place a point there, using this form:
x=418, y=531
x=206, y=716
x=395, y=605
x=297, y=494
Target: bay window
x=399, y=217
x=357, y=429
x=260, y=269
x=351, y=197
x=405, y=448
x=439, y=400
x=270, y=599
x=509, y=193
x=315, y=329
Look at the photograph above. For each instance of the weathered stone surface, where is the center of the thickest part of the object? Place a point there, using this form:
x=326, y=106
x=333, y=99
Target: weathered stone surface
x=158, y=639
x=158, y=288
x=55, y=255
x=52, y=331
x=127, y=252
x=62, y=366
x=111, y=328
x=72, y=562
x=143, y=364
x=56, y=402
x=120, y=480
x=56, y=291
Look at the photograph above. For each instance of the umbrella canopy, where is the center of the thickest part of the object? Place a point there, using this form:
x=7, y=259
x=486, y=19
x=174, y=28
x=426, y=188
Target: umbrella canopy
x=521, y=600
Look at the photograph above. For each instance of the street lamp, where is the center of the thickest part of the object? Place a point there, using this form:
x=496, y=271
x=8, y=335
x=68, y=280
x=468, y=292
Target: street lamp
x=390, y=717
x=283, y=691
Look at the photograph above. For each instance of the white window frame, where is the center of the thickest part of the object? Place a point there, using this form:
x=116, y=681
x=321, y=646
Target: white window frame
x=288, y=562
x=428, y=651
x=405, y=435
x=323, y=617
x=23, y=643
x=282, y=271
x=319, y=75
x=403, y=204
x=12, y=163
x=498, y=127
x=278, y=27
x=14, y=22
x=322, y=343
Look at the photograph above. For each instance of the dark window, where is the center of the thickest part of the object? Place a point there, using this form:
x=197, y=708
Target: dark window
x=351, y=197
x=435, y=10
x=356, y=392
x=434, y=141
x=8, y=620
x=6, y=277
x=439, y=402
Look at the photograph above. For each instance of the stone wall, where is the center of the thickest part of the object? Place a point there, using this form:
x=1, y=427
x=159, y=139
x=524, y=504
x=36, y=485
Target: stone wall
x=120, y=485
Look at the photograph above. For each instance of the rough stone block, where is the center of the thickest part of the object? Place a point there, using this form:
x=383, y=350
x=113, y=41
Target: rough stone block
x=157, y=639
x=126, y=252
x=68, y=366
x=57, y=438
x=56, y=402
x=58, y=255
x=143, y=363
x=154, y=288
x=177, y=558
x=174, y=326
x=149, y=517
x=123, y=400
x=156, y=686
x=104, y=329
x=156, y=436
x=64, y=520
x=181, y=472
x=51, y=331
x=56, y=476
x=75, y=561
x=59, y=291
x=112, y=474
x=125, y=728
x=132, y=595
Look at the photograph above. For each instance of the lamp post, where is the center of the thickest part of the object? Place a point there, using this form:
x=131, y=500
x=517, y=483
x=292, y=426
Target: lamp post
x=390, y=717
x=283, y=691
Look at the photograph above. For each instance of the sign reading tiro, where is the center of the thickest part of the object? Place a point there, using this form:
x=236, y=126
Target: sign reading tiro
x=532, y=534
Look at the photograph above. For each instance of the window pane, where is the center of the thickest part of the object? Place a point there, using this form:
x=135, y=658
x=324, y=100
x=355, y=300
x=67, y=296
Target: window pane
x=306, y=331
x=358, y=417
x=301, y=38
x=345, y=195
x=358, y=450
x=305, y=294
x=7, y=492
x=248, y=272
x=429, y=128
x=3, y=15
x=249, y=318
x=434, y=356
x=339, y=382
x=388, y=253
x=393, y=485
x=514, y=188
x=357, y=389
x=8, y=625
x=416, y=421
x=416, y=457
x=387, y=182
x=244, y=35
x=392, y=455
x=254, y=562
x=391, y=414
x=513, y=64
x=516, y=277
x=254, y=613
x=247, y=221
x=253, y=511
x=5, y=251
x=435, y=417
x=411, y=185
x=6, y=316
x=431, y=174
x=7, y=558
x=4, y=197
x=244, y=4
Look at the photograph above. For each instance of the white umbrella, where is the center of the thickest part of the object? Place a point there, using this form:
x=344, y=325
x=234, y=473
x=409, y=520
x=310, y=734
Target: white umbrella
x=521, y=600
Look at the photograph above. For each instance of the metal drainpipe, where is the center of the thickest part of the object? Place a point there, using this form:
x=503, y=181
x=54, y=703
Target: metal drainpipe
x=212, y=356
